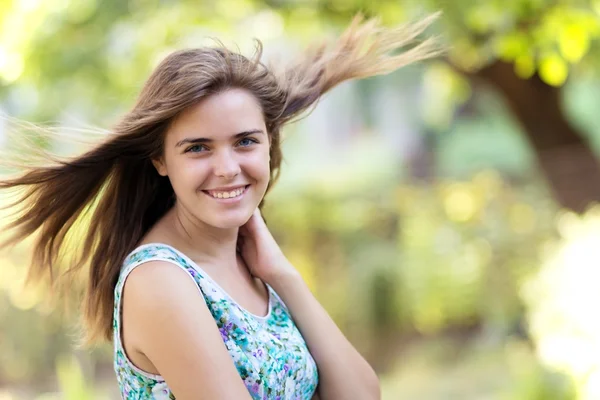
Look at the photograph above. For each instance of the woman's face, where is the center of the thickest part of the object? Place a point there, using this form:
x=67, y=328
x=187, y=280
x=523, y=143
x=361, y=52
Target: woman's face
x=217, y=158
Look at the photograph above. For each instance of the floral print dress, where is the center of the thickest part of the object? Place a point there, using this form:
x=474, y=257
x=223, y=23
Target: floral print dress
x=269, y=352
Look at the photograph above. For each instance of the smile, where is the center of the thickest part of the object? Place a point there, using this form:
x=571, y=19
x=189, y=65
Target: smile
x=227, y=194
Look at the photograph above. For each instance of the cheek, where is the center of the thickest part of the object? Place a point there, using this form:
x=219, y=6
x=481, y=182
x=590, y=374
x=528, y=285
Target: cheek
x=257, y=165
x=187, y=175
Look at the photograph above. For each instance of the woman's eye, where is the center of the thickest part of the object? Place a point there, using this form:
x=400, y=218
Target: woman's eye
x=197, y=148
x=245, y=142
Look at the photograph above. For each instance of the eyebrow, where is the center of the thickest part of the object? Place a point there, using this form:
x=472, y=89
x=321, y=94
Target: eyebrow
x=206, y=140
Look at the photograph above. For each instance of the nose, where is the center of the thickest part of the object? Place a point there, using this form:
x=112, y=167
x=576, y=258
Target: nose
x=226, y=165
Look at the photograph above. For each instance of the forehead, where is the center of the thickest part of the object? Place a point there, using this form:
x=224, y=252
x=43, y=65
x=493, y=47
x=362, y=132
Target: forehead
x=219, y=115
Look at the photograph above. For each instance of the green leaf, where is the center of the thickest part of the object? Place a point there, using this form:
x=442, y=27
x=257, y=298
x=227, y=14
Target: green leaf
x=574, y=42
x=553, y=70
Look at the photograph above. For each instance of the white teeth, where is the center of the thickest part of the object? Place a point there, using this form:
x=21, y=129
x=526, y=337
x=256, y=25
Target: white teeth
x=227, y=195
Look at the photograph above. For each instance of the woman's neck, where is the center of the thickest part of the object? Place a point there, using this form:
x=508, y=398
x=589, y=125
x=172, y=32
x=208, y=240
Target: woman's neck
x=198, y=240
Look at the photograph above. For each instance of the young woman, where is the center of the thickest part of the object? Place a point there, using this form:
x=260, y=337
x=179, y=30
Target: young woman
x=184, y=276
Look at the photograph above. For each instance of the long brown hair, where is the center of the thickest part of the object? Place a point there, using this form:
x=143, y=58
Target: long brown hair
x=115, y=187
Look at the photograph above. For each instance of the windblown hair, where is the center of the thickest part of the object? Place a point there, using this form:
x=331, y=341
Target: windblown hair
x=115, y=188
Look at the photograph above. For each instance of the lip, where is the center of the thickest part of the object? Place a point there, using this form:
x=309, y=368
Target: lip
x=230, y=200
x=226, y=189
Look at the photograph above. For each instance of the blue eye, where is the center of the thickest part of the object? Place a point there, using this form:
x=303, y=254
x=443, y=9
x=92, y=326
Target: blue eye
x=245, y=142
x=197, y=148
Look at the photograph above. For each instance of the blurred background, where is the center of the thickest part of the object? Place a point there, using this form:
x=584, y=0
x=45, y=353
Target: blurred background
x=443, y=214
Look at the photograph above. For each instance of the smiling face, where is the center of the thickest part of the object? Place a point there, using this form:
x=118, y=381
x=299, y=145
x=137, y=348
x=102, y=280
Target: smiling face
x=216, y=156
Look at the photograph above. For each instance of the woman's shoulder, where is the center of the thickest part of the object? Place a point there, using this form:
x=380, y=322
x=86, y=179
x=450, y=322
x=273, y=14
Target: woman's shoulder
x=151, y=261
x=158, y=281
x=154, y=251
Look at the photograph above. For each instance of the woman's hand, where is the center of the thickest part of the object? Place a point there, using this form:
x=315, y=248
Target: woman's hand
x=260, y=252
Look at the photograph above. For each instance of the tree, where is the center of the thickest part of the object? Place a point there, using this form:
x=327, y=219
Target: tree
x=525, y=49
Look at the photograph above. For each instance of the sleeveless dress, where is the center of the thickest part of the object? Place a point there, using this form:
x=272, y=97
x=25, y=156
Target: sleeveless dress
x=269, y=352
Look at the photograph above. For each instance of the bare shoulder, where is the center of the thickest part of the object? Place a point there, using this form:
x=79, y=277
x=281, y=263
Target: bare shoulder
x=154, y=281
x=176, y=332
x=156, y=292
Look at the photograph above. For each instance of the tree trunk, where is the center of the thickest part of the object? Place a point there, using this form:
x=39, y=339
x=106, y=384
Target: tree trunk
x=563, y=154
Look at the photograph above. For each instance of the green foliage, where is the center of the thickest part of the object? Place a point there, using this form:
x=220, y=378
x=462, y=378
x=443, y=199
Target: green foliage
x=455, y=252
x=536, y=36
x=446, y=368
x=72, y=381
x=91, y=59
x=544, y=36
x=76, y=60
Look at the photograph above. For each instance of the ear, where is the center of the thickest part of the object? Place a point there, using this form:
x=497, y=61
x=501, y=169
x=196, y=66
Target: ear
x=159, y=164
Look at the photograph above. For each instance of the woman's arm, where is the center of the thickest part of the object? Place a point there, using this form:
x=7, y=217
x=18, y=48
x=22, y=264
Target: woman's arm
x=169, y=322
x=343, y=372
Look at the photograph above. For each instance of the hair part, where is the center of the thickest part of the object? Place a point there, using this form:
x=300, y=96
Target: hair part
x=114, y=192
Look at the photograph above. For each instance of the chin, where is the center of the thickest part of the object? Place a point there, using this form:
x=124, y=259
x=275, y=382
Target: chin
x=235, y=220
